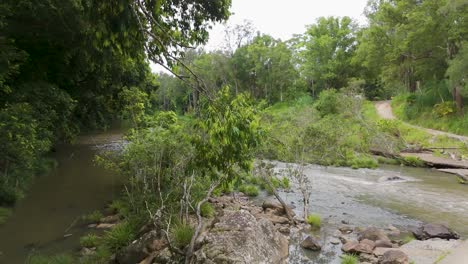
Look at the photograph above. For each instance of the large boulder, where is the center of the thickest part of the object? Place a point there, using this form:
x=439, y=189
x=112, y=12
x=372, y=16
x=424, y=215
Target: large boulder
x=428, y=231
x=394, y=257
x=276, y=208
x=372, y=233
x=365, y=246
x=238, y=237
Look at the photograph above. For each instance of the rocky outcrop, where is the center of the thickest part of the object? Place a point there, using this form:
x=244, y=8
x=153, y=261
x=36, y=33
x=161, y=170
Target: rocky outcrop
x=238, y=237
x=140, y=249
x=428, y=231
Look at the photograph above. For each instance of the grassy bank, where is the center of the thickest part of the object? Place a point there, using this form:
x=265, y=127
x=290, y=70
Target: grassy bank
x=440, y=116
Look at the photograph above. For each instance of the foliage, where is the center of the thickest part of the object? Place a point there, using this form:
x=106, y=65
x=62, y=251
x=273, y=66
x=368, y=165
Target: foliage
x=407, y=239
x=327, y=103
x=250, y=190
x=314, y=220
x=444, y=109
x=93, y=217
x=349, y=259
x=182, y=234
x=119, y=236
x=89, y=240
x=207, y=210
x=412, y=161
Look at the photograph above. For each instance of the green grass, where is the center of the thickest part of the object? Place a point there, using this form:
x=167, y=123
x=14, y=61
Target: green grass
x=182, y=235
x=248, y=189
x=349, y=259
x=5, y=213
x=119, y=236
x=93, y=217
x=207, y=210
x=424, y=116
x=89, y=241
x=314, y=220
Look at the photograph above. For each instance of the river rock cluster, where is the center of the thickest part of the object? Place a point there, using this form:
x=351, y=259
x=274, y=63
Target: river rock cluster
x=384, y=246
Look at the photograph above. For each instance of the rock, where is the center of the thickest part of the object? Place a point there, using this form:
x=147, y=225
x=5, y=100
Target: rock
x=348, y=247
x=105, y=226
x=164, y=256
x=365, y=246
x=345, y=239
x=67, y=235
x=238, y=237
x=311, y=244
x=379, y=251
x=346, y=229
x=434, y=231
x=372, y=233
x=277, y=208
x=335, y=241
x=367, y=258
x=87, y=252
x=344, y=222
x=111, y=219
x=92, y=225
x=337, y=233
x=429, y=251
x=278, y=219
x=137, y=250
x=383, y=244
x=394, y=257
x=284, y=230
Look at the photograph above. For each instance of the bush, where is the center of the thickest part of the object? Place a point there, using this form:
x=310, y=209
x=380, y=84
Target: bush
x=285, y=182
x=327, y=103
x=207, y=210
x=119, y=207
x=93, y=217
x=119, y=236
x=182, y=235
x=5, y=213
x=314, y=220
x=444, y=109
x=250, y=190
x=349, y=259
x=363, y=162
x=89, y=241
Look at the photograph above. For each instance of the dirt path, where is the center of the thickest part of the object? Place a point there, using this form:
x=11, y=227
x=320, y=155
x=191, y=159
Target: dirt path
x=384, y=109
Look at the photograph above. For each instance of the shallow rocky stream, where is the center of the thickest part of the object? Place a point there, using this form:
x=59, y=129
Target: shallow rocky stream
x=365, y=197
x=359, y=197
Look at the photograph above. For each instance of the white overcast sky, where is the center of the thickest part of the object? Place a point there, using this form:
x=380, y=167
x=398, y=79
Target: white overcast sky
x=284, y=18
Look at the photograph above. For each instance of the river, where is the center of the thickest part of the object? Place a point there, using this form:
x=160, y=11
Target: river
x=365, y=197
x=56, y=200
x=361, y=197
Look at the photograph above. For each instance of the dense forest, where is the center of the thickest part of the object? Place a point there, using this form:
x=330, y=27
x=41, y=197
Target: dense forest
x=71, y=66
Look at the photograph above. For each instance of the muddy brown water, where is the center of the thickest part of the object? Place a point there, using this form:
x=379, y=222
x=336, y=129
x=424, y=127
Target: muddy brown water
x=56, y=200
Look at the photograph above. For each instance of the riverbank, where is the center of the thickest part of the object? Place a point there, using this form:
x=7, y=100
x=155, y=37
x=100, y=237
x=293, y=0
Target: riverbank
x=44, y=221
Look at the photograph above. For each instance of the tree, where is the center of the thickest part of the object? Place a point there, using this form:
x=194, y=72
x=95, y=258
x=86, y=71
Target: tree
x=325, y=51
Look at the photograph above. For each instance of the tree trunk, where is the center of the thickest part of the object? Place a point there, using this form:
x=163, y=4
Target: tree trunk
x=458, y=98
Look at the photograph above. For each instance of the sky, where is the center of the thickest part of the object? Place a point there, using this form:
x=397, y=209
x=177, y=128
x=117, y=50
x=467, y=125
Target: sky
x=284, y=18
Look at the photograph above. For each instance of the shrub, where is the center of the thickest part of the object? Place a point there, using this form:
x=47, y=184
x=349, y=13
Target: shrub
x=93, y=217
x=444, y=109
x=119, y=207
x=314, y=220
x=407, y=239
x=207, y=210
x=250, y=190
x=119, y=236
x=89, y=240
x=349, y=259
x=5, y=213
x=363, y=162
x=327, y=103
x=182, y=235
